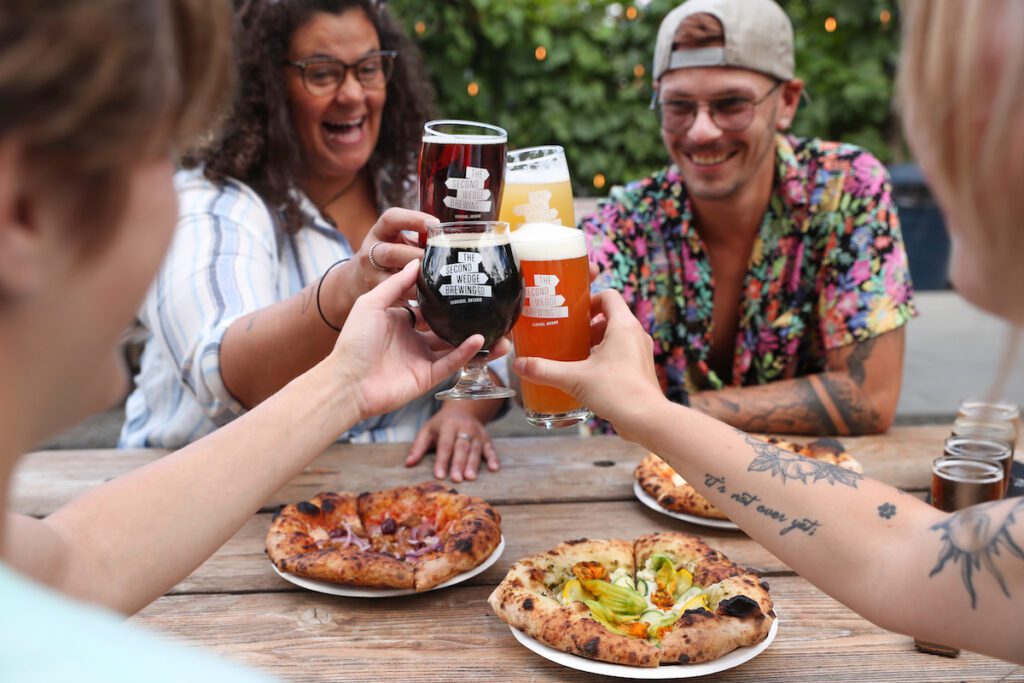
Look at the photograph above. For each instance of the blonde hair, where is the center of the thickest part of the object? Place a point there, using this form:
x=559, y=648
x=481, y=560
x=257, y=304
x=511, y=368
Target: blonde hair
x=961, y=88
x=92, y=88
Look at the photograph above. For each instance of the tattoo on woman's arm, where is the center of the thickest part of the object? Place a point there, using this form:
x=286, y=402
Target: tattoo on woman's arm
x=785, y=465
x=974, y=538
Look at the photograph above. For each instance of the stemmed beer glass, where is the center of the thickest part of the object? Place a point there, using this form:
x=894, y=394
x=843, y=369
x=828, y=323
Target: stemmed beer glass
x=469, y=284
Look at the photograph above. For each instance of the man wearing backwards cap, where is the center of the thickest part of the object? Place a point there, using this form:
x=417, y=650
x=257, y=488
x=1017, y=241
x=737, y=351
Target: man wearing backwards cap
x=769, y=269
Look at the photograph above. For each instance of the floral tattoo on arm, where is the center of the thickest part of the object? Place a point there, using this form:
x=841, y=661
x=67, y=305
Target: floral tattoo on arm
x=785, y=465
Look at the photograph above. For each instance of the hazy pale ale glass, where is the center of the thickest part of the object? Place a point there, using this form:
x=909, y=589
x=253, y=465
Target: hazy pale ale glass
x=537, y=188
x=461, y=170
x=555, y=321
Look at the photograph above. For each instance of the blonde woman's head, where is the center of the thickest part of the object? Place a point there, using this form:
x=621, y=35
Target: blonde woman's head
x=961, y=86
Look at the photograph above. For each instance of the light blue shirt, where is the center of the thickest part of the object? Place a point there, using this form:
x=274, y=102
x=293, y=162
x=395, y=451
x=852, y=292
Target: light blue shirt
x=46, y=637
x=229, y=257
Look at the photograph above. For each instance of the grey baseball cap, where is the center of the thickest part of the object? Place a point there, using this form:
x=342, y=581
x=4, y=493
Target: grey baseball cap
x=758, y=37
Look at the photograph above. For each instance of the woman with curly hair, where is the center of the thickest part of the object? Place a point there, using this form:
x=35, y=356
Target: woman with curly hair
x=285, y=219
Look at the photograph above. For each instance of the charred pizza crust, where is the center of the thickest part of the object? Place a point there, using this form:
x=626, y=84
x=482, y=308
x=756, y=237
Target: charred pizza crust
x=738, y=612
x=406, y=537
x=675, y=494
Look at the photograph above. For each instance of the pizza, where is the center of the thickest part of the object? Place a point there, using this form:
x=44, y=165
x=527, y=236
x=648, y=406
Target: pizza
x=664, y=598
x=406, y=537
x=675, y=494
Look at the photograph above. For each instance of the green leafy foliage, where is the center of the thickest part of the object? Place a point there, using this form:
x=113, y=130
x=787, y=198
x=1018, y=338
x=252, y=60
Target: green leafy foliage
x=577, y=73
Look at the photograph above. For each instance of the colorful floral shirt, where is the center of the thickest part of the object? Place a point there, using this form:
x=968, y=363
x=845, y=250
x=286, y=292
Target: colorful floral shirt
x=828, y=267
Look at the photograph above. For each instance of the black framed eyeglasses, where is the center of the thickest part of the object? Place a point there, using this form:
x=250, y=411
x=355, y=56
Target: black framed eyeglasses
x=324, y=76
x=729, y=114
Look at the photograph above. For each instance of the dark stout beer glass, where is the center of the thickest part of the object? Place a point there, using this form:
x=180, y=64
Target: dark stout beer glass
x=462, y=170
x=469, y=284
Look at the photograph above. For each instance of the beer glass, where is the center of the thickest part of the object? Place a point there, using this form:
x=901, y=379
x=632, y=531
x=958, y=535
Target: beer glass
x=461, y=170
x=982, y=449
x=555, y=322
x=537, y=188
x=985, y=429
x=991, y=411
x=469, y=284
x=959, y=482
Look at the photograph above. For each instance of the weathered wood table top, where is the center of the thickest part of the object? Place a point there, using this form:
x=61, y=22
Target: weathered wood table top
x=549, y=490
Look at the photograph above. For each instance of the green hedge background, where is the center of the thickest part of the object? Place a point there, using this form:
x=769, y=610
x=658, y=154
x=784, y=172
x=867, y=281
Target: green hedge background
x=577, y=73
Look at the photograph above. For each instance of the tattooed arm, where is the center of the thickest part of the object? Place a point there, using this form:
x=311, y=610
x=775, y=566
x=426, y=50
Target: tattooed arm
x=956, y=579
x=857, y=394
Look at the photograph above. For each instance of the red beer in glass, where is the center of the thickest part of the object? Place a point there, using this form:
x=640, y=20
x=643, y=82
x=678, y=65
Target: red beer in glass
x=461, y=171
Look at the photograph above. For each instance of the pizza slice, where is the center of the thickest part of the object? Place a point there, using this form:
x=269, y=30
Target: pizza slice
x=572, y=599
x=702, y=605
x=323, y=538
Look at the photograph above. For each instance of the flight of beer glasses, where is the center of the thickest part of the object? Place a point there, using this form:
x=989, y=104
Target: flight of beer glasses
x=469, y=284
x=537, y=188
x=462, y=170
x=555, y=322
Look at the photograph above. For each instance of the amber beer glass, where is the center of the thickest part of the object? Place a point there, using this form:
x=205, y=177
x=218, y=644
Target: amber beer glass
x=983, y=449
x=461, y=171
x=555, y=322
x=537, y=188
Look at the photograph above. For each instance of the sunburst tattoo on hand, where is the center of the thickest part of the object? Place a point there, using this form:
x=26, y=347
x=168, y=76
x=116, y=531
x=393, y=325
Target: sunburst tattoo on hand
x=973, y=538
x=786, y=465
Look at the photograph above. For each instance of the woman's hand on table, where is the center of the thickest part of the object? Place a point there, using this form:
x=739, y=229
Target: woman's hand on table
x=459, y=438
x=618, y=380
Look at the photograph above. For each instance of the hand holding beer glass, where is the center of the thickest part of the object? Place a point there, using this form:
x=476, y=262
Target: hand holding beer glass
x=555, y=322
x=537, y=188
x=469, y=284
x=461, y=170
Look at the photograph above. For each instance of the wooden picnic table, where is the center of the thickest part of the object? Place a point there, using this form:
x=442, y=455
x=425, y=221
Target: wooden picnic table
x=550, y=489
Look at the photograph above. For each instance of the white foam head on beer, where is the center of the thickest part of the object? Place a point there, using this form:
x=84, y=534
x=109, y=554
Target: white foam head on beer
x=468, y=240
x=547, y=242
x=536, y=176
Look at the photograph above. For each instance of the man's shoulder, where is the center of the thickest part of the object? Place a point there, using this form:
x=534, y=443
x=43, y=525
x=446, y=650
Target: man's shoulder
x=833, y=157
x=643, y=194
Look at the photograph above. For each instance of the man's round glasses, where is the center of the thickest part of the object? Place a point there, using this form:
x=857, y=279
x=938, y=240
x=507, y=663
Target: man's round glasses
x=324, y=76
x=729, y=114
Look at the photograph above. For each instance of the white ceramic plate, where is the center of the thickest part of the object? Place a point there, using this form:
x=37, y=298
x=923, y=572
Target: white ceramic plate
x=733, y=659
x=360, y=592
x=650, y=502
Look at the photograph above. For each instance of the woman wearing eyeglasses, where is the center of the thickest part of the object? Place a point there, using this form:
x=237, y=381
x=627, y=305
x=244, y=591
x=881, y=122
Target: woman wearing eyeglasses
x=322, y=142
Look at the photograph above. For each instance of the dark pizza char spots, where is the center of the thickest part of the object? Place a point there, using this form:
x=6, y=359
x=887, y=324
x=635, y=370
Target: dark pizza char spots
x=739, y=606
x=307, y=508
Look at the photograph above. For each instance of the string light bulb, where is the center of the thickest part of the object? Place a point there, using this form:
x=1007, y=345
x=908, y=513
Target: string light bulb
x=473, y=88
x=831, y=24
x=599, y=180
x=541, y=53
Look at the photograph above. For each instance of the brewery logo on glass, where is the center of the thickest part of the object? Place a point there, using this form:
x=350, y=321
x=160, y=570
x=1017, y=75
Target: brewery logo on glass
x=471, y=193
x=466, y=278
x=543, y=299
x=537, y=208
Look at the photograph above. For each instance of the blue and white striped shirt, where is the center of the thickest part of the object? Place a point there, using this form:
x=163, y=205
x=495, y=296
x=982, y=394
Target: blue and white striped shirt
x=229, y=257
